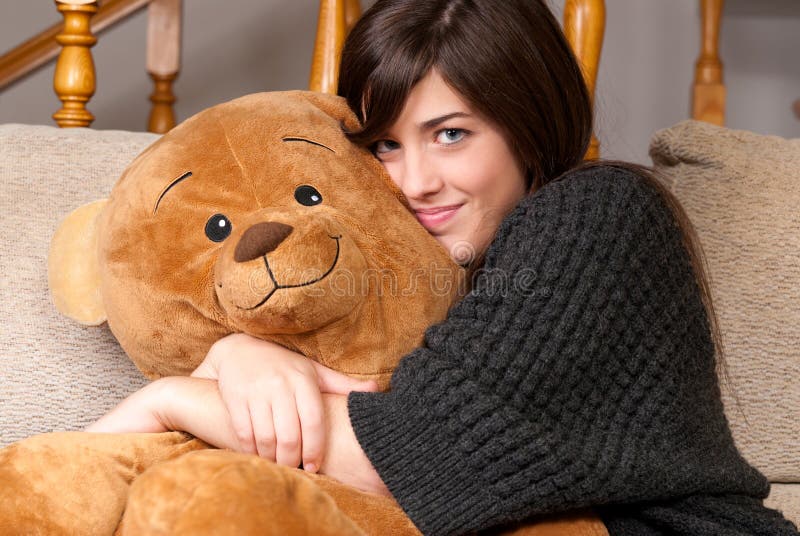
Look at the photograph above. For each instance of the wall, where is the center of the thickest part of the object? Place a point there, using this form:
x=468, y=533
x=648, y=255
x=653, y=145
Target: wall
x=647, y=68
x=257, y=45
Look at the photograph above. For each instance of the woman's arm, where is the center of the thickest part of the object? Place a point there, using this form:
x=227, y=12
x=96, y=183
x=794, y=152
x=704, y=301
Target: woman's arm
x=578, y=372
x=344, y=459
x=192, y=405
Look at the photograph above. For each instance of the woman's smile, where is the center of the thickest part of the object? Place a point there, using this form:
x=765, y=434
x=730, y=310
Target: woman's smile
x=435, y=217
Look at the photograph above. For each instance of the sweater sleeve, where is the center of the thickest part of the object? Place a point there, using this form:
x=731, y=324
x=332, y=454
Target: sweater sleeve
x=578, y=372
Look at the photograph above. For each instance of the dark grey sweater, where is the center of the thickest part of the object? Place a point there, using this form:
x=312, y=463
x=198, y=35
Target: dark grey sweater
x=579, y=372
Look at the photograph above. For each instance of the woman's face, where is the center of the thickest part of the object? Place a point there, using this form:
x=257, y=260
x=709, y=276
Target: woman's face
x=455, y=167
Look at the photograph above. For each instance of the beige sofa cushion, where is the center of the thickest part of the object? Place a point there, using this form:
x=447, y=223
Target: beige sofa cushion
x=785, y=498
x=742, y=193
x=54, y=375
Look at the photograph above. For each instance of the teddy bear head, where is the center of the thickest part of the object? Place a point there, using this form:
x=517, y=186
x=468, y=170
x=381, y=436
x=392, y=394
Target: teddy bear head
x=258, y=216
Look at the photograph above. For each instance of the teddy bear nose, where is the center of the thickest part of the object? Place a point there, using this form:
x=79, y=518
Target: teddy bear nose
x=260, y=239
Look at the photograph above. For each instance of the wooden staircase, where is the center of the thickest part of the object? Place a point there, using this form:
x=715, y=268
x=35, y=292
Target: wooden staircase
x=74, y=80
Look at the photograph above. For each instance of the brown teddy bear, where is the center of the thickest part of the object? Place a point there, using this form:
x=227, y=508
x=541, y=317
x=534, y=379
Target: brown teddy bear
x=254, y=216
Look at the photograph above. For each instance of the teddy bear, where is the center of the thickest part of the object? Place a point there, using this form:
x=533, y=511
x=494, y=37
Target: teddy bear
x=255, y=216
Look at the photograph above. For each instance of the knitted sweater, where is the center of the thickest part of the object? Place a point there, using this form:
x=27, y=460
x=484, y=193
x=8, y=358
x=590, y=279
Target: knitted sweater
x=578, y=372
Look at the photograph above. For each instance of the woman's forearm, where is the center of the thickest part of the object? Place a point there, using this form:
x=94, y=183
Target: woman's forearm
x=344, y=459
x=138, y=413
x=194, y=405
x=191, y=405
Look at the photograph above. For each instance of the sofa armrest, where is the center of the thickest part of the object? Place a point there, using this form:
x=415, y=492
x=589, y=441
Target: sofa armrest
x=54, y=375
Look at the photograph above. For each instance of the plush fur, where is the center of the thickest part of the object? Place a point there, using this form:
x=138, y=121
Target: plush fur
x=254, y=216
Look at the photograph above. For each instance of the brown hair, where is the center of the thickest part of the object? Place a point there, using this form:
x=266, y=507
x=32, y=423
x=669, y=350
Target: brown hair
x=511, y=62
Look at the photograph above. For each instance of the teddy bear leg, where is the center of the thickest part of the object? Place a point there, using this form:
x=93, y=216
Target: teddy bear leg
x=76, y=482
x=580, y=523
x=222, y=492
x=374, y=514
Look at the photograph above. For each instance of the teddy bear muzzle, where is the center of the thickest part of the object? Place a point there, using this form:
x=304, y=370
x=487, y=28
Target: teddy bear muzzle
x=273, y=276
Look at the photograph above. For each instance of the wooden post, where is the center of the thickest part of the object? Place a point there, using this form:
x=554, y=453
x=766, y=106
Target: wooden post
x=74, y=80
x=163, y=60
x=352, y=12
x=584, y=26
x=331, y=32
x=708, y=92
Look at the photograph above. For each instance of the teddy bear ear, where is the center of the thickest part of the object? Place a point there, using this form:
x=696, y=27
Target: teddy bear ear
x=334, y=106
x=73, y=267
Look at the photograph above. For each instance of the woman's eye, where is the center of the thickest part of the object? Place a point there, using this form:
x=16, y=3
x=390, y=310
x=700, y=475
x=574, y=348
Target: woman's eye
x=307, y=195
x=385, y=146
x=450, y=135
x=218, y=227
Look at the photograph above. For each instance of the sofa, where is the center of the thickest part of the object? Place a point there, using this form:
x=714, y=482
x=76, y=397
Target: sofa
x=741, y=191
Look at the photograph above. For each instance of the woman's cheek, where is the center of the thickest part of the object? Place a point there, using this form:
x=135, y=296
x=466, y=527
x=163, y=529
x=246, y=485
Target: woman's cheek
x=393, y=169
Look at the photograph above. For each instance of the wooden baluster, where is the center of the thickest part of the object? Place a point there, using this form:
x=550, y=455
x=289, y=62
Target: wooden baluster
x=163, y=60
x=352, y=12
x=708, y=95
x=584, y=26
x=331, y=31
x=74, y=80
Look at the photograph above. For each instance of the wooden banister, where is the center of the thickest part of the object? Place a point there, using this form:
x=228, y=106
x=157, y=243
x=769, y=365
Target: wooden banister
x=163, y=60
x=37, y=51
x=74, y=77
x=708, y=91
x=584, y=27
x=352, y=12
x=336, y=18
x=331, y=32
x=74, y=80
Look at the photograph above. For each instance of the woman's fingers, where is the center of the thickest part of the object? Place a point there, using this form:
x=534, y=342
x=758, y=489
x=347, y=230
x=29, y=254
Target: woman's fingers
x=242, y=425
x=333, y=382
x=263, y=429
x=312, y=425
x=287, y=429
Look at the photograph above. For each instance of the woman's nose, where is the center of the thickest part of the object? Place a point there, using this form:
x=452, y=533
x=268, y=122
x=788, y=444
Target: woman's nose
x=421, y=178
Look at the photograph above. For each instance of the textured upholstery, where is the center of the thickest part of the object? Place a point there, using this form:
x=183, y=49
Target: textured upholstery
x=54, y=375
x=786, y=498
x=742, y=193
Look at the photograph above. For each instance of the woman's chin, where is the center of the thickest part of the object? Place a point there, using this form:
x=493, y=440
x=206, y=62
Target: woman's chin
x=461, y=250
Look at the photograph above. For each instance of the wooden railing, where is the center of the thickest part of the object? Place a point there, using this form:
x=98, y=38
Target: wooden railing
x=708, y=90
x=336, y=17
x=71, y=41
x=584, y=25
x=34, y=53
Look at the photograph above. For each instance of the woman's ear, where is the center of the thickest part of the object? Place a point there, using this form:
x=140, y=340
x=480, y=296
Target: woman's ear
x=73, y=269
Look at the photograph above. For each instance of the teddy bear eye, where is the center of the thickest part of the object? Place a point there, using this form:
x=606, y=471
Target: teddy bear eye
x=307, y=195
x=218, y=227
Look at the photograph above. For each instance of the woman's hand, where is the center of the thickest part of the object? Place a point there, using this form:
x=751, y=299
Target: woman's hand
x=273, y=396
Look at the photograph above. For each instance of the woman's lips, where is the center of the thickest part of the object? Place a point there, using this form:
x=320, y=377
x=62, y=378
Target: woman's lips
x=431, y=218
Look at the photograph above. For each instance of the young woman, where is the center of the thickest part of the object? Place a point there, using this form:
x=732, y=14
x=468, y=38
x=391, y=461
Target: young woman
x=589, y=382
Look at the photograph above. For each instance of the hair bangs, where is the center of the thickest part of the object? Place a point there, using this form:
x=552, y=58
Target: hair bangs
x=384, y=95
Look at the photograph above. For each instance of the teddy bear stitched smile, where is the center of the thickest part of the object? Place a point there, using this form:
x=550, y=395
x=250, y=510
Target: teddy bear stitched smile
x=313, y=258
x=263, y=238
